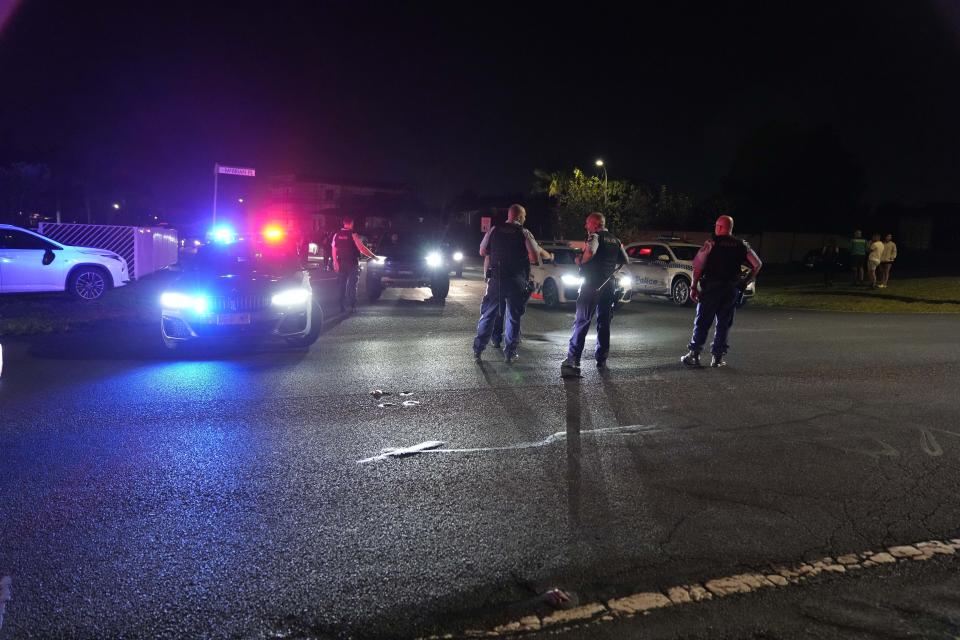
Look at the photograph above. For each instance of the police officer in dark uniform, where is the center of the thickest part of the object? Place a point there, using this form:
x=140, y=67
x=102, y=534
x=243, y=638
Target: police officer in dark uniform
x=716, y=269
x=510, y=249
x=347, y=249
x=602, y=257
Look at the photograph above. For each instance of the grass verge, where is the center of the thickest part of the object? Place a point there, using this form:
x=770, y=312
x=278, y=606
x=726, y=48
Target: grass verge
x=910, y=295
x=28, y=314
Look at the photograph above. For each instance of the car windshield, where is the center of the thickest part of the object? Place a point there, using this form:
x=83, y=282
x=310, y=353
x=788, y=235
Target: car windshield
x=405, y=243
x=564, y=256
x=245, y=257
x=685, y=253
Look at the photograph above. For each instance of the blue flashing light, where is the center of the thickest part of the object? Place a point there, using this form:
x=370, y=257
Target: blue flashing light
x=172, y=300
x=224, y=234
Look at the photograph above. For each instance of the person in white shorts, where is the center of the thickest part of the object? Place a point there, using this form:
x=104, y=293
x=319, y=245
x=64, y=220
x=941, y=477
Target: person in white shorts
x=873, y=259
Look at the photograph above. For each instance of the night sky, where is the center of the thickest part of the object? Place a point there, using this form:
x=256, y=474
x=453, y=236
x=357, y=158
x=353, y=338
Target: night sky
x=455, y=96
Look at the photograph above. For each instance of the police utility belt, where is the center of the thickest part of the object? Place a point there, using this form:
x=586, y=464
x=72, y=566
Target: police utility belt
x=492, y=273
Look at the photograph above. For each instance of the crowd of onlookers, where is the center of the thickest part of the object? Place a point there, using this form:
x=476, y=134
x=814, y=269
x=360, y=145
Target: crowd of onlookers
x=871, y=262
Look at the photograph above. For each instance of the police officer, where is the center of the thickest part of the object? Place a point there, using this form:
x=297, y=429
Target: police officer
x=602, y=257
x=347, y=249
x=510, y=249
x=496, y=338
x=716, y=269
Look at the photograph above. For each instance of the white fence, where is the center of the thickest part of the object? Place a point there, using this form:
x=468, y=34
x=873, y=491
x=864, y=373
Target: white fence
x=145, y=249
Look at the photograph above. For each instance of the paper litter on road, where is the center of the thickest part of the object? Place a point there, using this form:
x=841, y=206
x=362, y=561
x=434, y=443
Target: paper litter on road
x=405, y=451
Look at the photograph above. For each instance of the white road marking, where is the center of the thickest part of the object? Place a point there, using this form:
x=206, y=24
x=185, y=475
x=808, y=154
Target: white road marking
x=551, y=439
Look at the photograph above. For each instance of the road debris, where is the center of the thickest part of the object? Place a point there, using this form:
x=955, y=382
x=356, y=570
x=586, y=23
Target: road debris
x=411, y=403
x=405, y=451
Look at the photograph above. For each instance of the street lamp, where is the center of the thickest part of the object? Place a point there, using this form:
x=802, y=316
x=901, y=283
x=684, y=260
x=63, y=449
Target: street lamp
x=600, y=164
x=116, y=205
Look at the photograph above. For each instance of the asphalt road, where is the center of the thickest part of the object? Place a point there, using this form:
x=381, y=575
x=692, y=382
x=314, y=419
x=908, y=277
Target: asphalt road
x=219, y=494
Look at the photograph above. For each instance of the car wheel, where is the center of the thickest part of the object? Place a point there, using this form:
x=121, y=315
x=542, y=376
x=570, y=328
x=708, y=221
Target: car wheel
x=680, y=291
x=440, y=288
x=88, y=283
x=551, y=296
x=374, y=289
x=316, y=326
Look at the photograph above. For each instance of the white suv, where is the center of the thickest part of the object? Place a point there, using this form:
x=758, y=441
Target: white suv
x=665, y=268
x=30, y=262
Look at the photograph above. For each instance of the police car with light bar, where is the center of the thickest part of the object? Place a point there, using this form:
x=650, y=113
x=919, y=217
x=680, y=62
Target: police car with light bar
x=558, y=281
x=664, y=267
x=251, y=287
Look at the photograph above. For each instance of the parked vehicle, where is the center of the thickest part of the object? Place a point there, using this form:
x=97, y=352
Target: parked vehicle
x=30, y=262
x=665, y=268
x=558, y=281
x=814, y=260
x=246, y=289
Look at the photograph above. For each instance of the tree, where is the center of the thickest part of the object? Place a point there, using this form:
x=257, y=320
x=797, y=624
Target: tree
x=626, y=206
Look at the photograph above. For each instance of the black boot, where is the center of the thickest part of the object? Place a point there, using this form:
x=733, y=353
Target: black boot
x=692, y=359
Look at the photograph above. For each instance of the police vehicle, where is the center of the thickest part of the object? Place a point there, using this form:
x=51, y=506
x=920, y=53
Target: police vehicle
x=251, y=287
x=30, y=262
x=409, y=259
x=664, y=267
x=558, y=281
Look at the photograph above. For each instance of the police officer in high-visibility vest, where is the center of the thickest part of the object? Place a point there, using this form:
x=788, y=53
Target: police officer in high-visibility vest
x=602, y=258
x=347, y=249
x=717, y=271
x=510, y=249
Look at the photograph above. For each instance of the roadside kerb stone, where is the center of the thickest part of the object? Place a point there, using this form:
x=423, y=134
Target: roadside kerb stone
x=639, y=602
x=645, y=602
x=583, y=612
x=904, y=551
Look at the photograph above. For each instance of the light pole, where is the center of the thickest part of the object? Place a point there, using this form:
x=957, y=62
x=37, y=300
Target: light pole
x=600, y=164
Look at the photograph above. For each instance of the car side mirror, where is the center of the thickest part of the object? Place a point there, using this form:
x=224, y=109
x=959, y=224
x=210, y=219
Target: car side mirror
x=663, y=257
x=48, y=256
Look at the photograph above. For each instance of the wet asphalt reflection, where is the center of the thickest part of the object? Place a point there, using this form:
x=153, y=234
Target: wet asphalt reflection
x=270, y=492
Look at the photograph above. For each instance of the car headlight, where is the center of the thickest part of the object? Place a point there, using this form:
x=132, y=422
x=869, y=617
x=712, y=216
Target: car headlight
x=174, y=300
x=626, y=281
x=291, y=298
x=434, y=259
x=571, y=280
x=380, y=260
x=458, y=256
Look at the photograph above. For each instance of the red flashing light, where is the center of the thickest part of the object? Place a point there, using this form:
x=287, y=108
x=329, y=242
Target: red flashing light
x=646, y=251
x=273, y=233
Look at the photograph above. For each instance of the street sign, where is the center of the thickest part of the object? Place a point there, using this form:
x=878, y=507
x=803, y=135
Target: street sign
x=218, y=168
x=485, y=223
x=237, y=171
